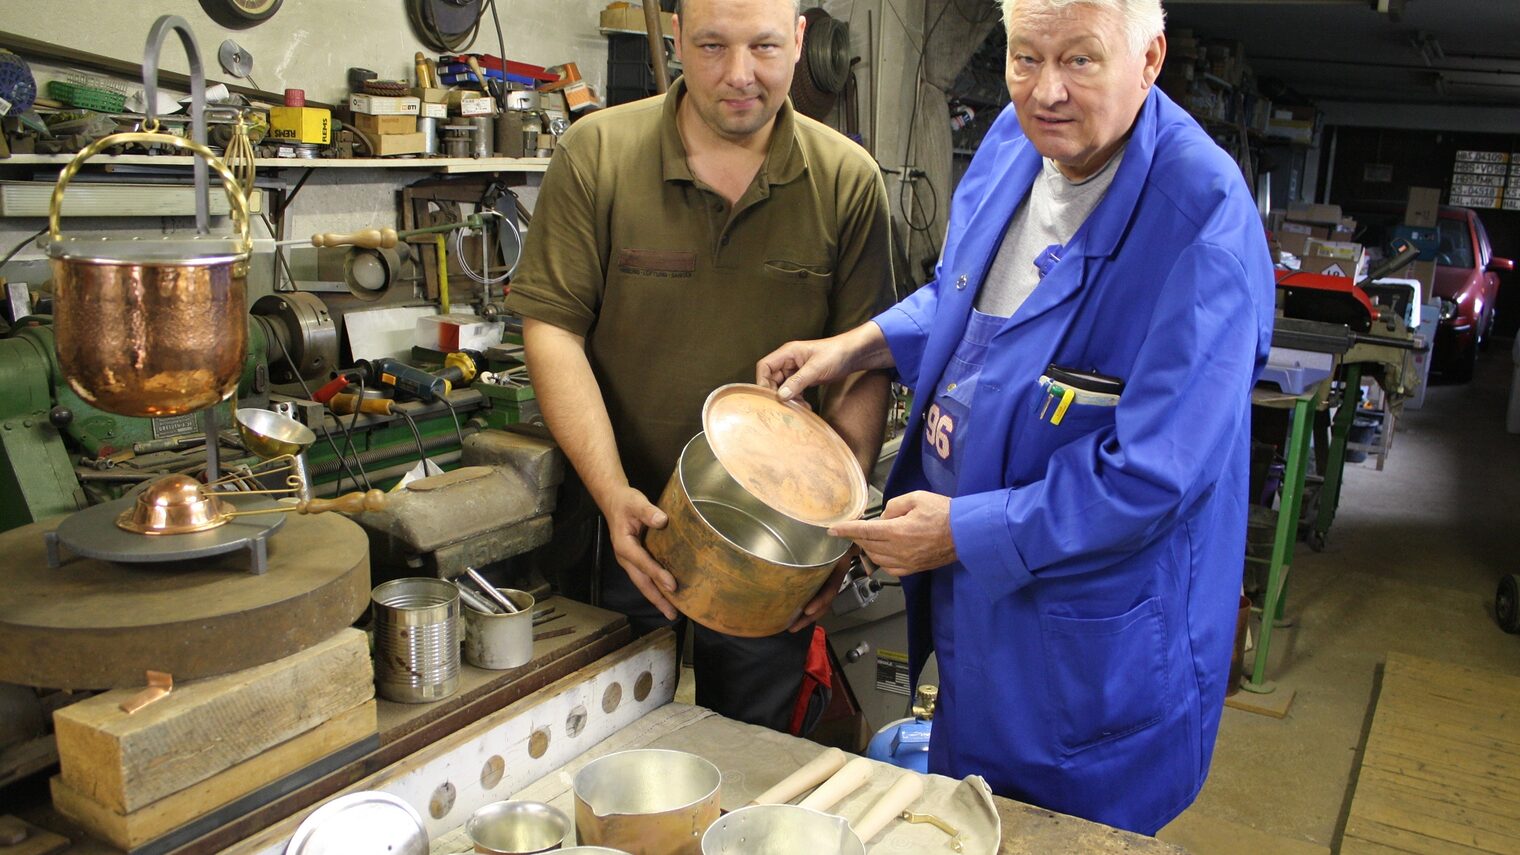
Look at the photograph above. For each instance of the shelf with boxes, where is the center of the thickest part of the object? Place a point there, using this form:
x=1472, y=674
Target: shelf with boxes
x=448, y=165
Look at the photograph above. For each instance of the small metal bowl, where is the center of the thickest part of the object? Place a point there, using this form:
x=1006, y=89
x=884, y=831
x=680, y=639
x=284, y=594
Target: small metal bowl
x=270, y=434
x=174, y=504
x=517, y=828
x=780, y=830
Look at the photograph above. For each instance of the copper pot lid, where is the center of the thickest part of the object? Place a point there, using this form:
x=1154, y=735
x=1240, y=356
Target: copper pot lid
x=174, y=504
x=784, y=454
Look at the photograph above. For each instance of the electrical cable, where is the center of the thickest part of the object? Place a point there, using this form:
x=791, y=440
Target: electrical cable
x=464, y=262
x=453, y=414
x=416, y=435
x=501, y=45
x=325, y=434
x=20, y=246
x=353, y=423
x=906, y=184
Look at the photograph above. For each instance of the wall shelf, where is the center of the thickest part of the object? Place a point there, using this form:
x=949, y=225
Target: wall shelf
x=449, y=165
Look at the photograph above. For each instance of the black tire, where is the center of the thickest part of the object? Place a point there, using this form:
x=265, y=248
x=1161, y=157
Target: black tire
x=1507, y=604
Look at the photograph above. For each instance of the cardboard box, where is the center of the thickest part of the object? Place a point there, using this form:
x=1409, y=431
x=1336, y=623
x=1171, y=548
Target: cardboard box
x=1291, y=130
x=1335, y=249
x=431, y=110
x=629, y=18
x=431, y=95
x=1295, y=243
x=385, y=124
x=391, y=144
x=477, y=107
x=1319, y=215
x=1483, y=156
x=1297, y=228
x=1327, y=266
x=1423, y=206
x=377, y=105
x=300, y=124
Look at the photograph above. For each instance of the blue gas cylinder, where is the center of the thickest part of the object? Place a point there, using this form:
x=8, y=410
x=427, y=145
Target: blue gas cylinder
x=903, y=743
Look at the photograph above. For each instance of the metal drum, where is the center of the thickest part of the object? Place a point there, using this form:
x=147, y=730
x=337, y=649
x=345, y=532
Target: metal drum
x=416, y=640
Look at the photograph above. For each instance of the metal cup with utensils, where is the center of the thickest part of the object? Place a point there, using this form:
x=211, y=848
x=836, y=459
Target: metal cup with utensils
x=269, y=434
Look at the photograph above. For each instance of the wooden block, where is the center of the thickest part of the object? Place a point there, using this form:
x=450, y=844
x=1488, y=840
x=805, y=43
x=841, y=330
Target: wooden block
x=1274, y=704
x=124, y=762
x=33, y=840
x=154, y=820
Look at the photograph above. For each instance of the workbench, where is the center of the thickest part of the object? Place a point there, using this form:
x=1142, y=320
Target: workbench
x=532, y=749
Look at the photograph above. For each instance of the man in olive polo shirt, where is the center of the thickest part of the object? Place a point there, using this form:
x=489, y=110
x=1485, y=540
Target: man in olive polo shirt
x=676, y=241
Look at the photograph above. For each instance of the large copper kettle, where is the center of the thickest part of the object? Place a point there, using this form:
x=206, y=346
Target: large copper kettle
x=156, y=326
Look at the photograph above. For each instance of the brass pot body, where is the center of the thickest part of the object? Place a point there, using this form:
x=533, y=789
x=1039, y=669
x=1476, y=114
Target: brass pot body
x=151, y=339
x=647, y=801
x=741, y=567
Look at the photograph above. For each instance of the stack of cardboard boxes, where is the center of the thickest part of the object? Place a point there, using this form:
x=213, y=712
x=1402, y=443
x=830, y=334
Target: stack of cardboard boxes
x=389, y=122
x=1320, y=238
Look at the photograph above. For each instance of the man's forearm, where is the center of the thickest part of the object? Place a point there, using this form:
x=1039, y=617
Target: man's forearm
x=857, y=409
x=571, y=401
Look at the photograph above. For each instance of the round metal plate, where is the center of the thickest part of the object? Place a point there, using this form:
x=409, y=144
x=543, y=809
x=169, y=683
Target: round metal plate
x=365, y=823
x=93, y=533
x=784, y=454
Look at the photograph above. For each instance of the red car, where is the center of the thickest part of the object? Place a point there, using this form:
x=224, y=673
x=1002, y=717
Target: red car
x=1467, y=284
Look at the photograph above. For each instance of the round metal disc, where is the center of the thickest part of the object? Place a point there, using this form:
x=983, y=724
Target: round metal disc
x=97, y=624
x=363, y=823
x=93, y=533
x=784, y=454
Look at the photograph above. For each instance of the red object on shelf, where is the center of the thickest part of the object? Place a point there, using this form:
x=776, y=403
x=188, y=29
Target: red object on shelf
x=494, y=63
x=295, y=97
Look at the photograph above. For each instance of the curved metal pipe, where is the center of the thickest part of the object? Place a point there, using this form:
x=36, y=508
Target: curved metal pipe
x=154, y=47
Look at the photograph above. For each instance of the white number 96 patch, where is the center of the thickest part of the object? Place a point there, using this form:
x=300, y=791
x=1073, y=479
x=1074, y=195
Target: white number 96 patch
x=938, y=428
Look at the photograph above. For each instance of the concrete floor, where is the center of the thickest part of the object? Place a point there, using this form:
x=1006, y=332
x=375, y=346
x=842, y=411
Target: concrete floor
x=1412, y=564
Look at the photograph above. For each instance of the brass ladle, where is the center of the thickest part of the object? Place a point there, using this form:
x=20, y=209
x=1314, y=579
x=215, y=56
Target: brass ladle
x=178, y=504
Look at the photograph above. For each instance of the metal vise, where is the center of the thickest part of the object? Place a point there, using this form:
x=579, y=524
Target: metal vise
x=495, y=506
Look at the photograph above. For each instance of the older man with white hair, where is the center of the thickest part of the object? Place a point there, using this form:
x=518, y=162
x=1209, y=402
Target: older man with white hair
x=1069, y=505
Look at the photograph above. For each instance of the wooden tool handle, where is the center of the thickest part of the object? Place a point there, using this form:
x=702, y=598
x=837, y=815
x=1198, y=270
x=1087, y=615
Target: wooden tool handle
x=353, y=503
x=903, y=792
x=813, y=773
x=367, y=238
x=343, y=404
x=480, y=75
x=847, y=780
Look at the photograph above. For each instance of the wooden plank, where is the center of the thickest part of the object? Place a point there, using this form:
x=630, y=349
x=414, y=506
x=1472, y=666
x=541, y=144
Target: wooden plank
x=1394, y=834
x=1275, y=704
x=507, y=732
x=37, y=841
x=576, y=653
x=1421, y=771
x=124, y=762
x=1441, y=769
x=152, y=821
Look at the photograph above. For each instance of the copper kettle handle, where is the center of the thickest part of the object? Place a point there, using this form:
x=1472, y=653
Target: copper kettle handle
x=235, y=198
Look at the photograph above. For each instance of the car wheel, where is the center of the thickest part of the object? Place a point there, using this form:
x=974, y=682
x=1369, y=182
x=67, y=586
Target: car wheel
x=1507, y=603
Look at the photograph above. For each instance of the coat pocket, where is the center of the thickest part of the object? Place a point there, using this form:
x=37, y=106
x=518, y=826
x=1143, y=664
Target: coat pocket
x=801, y=274
x=1107, y=676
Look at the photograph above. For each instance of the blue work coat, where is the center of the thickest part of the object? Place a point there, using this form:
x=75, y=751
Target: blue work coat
x=1099, y=560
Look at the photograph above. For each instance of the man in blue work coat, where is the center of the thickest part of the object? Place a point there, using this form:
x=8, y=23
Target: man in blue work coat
x=1069, y=508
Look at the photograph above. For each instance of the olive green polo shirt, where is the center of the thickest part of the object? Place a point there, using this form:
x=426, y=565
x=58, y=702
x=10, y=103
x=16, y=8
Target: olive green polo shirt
x=675, y=293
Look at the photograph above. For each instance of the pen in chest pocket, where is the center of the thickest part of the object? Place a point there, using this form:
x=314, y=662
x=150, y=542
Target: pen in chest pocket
x=1065, y=386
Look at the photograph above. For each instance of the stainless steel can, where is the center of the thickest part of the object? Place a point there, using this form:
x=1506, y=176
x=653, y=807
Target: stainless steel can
x=416, y=639
x=484, y=136
x=428, y=127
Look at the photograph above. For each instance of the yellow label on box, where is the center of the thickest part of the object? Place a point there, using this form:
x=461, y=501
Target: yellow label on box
x=300, y=124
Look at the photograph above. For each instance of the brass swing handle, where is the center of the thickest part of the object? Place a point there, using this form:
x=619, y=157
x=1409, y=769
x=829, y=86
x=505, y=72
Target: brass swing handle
x=353, y=503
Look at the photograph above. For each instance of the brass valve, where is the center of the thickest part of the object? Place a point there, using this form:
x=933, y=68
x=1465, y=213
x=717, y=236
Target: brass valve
x=923, y=702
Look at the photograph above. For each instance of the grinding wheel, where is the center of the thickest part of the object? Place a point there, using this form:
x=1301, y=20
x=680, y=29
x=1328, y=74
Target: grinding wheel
x=93, y=624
